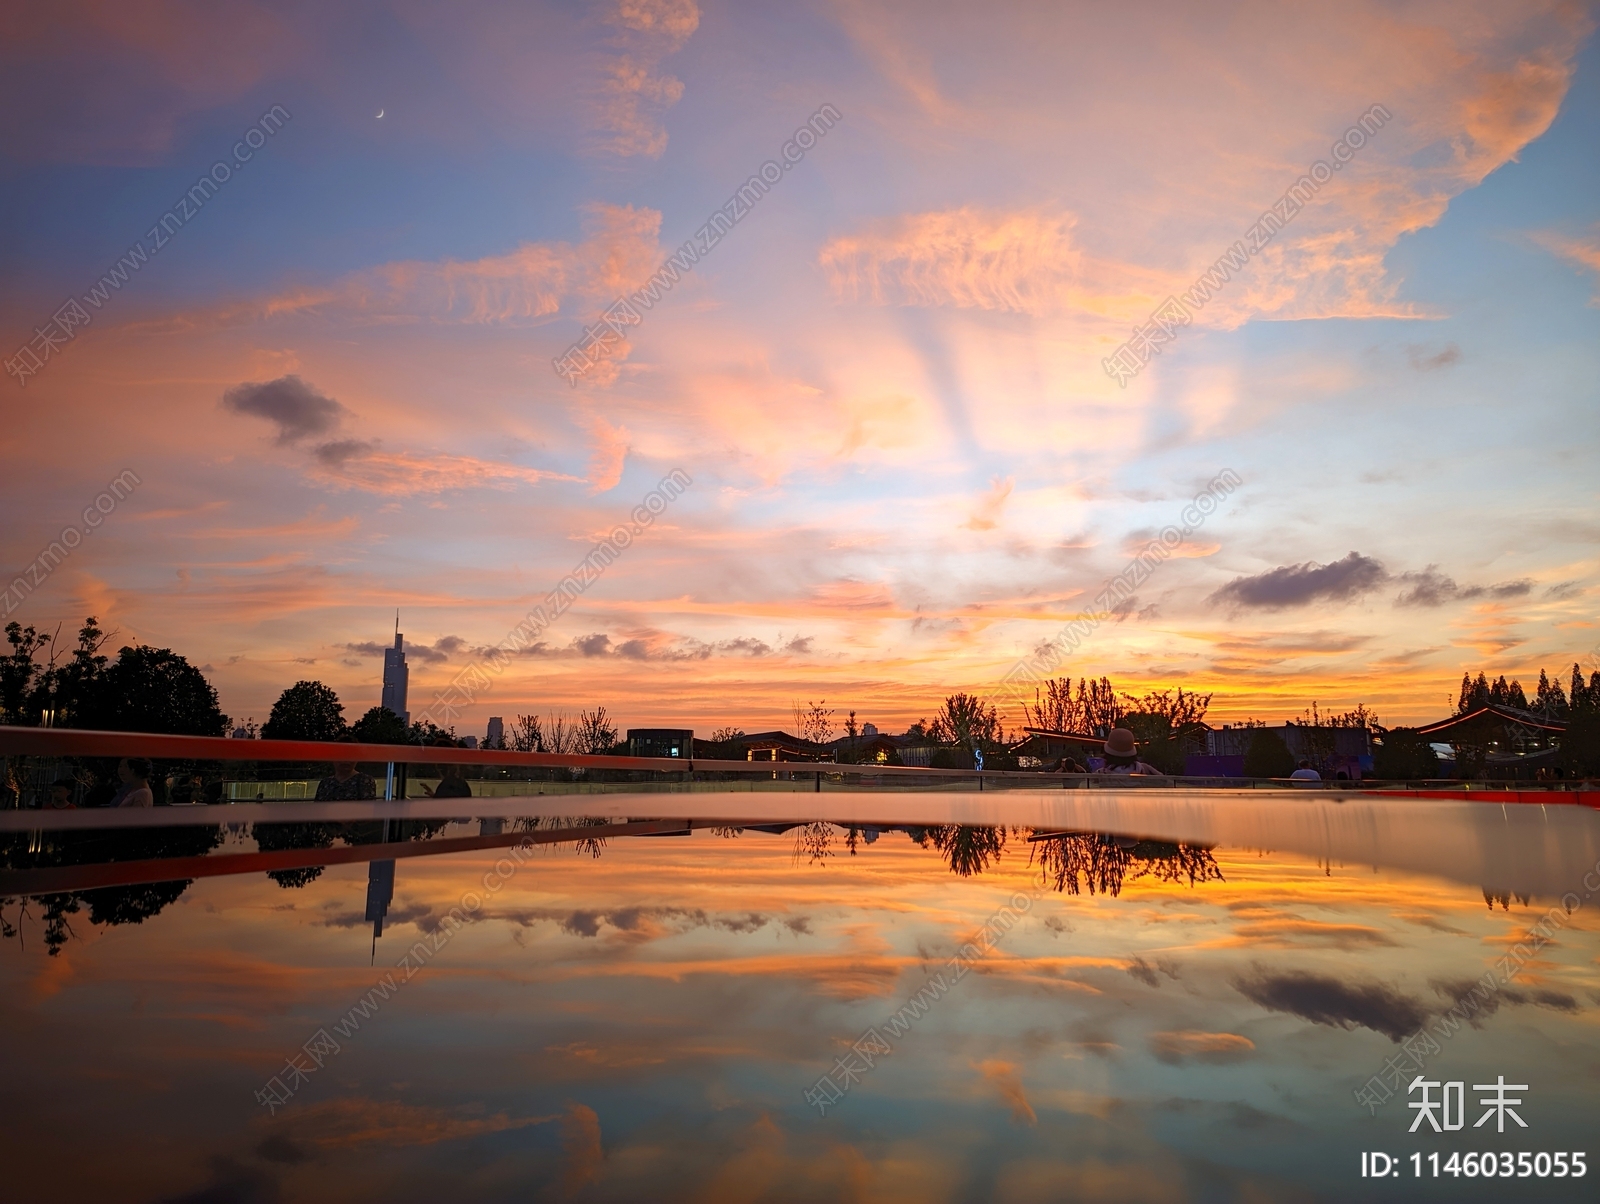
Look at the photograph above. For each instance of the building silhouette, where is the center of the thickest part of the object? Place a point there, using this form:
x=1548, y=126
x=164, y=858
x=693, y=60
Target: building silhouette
x=660, y=742
x=396, y=677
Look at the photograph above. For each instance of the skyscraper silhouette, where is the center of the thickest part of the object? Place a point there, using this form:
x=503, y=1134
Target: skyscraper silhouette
x=396, y=677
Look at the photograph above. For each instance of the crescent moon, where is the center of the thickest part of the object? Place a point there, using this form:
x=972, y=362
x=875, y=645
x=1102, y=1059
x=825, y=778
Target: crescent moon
x=380, y=112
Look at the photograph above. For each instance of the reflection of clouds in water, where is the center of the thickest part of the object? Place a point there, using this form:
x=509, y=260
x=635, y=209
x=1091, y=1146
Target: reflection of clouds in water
x=1144, y=972
x=645, y=923
x=1460, y=988
x=580, y=1139
x=1003, y=1077
x=1174, y=1048
x=1265, y=925
x=1322, y=999
x=355, y=1121
x=421, y=913
x=660, y=1008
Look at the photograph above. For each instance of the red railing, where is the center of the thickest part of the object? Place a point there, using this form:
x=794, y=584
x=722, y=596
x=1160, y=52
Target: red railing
x=71, y=742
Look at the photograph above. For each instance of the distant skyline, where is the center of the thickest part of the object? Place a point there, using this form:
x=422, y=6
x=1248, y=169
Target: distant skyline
x=331, y=372
x=396, y=676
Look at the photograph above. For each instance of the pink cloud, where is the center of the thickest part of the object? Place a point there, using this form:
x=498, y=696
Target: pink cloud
x=633, y=93
x=354, y=464
x=536, y=280
x=1584, y=251
x=986, y=514
x=606, y=456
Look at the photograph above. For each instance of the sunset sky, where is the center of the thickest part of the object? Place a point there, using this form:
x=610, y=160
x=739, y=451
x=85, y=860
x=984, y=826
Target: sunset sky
x=333, y=378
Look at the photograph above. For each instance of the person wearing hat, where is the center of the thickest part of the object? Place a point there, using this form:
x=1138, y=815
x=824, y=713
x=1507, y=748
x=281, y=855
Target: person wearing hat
x=1122, y=755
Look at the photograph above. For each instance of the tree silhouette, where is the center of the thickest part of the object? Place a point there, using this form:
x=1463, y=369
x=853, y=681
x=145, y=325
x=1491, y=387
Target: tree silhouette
x=152, y=690
x=307, y=710
x=966, y=848
x=596, y=733
x=968, y=722
x=19, y=674
x=271, y=838
x=1403, y=755
x=380, y=725
x=812, y=842
x=1580, y=745
x=814, y=721
x=107, y=905
x=1268, y=756
x=1103, y=862
x=552, y=734
x=1053, y=708
x=1551, y=699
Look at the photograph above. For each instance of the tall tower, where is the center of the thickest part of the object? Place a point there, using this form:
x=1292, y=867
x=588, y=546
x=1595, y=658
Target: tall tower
x=396, y=677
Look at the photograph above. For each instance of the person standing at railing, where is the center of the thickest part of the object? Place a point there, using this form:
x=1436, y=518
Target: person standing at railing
x=135, y=791
x=1122, y=755
x=451, y=783
x=347, y=785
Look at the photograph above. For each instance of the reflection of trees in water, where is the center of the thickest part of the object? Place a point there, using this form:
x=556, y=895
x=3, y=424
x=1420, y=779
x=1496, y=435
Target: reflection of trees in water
x=591, y=845
x=107, y=904
x=812, y=841
x=273, y=838
x=1491, y=897
x=1103, y=862
x=967, y=849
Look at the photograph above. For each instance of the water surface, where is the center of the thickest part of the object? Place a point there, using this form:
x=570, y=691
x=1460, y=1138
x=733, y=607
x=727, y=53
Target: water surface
x=1170, y=998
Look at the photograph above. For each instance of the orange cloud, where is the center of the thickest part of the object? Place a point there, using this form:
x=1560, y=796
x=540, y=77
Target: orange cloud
x=1462, y=105
x=1194, y=1045
x=1015, y=262
x=343, y=1123
x=1003, y=1077
x=580, y=1141
x=850, y=594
